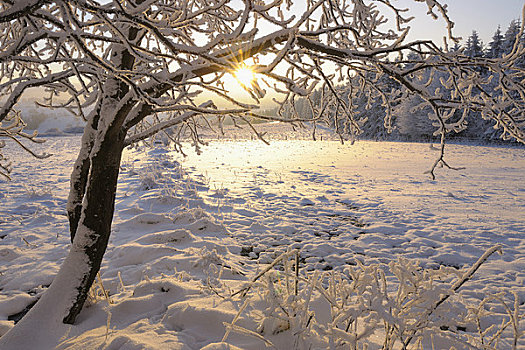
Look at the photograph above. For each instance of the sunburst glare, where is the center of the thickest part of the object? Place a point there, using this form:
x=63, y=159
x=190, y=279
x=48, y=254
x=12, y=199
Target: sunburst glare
x=245, y=76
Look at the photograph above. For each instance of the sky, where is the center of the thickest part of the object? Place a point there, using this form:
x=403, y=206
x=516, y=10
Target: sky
x=484, y=16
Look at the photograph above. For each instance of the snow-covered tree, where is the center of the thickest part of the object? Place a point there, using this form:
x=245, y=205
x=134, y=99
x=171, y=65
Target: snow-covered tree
x=135, y=68
x=511, y=35
x=495, y=49
x=514, y=35
x=413, y=119
x=474, y=46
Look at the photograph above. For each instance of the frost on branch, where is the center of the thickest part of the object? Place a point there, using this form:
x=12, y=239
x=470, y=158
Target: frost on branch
x=11, y=129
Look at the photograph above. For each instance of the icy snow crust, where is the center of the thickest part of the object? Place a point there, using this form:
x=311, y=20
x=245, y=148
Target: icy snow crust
x=182, y=222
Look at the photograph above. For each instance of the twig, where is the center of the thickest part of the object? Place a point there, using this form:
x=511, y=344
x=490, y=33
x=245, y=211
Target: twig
x=455, y=287
x=260, y=274
x=296, y=272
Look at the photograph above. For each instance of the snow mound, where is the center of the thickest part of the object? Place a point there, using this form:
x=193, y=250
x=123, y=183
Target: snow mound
x=148, y=219
x=175, y=236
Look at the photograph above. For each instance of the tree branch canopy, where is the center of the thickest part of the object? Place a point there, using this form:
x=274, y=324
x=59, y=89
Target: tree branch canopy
x=183, y=54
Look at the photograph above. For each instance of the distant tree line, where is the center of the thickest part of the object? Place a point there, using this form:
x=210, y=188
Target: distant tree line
x=411, y=118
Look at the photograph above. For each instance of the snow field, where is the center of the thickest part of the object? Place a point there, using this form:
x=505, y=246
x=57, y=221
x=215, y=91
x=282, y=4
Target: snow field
x=189, y=232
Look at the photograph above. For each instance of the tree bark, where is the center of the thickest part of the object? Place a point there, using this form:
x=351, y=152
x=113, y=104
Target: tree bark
x=96, y=214
x=79, y=175
x=93, y=187
x=125, y=61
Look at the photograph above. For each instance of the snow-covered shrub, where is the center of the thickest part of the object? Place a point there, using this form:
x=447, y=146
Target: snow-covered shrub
x=149, y=179
x=162, y=173
x=38, y=192
x=394, y=306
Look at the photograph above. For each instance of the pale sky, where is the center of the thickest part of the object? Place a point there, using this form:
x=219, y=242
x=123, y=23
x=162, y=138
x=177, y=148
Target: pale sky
x=480, y=15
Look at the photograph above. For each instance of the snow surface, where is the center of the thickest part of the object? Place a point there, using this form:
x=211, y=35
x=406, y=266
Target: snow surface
x=181, y=221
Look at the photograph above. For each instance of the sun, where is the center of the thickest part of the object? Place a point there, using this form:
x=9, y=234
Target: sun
x=245, y=76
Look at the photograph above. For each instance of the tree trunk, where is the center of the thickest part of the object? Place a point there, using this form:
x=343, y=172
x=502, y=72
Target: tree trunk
x=79, y=175
x=91, y=201
x=101, y=154
x=94, y=227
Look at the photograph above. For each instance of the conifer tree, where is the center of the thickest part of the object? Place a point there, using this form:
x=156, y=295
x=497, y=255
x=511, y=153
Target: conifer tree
x=510, y=36
x=495, y=49
x=474, y=46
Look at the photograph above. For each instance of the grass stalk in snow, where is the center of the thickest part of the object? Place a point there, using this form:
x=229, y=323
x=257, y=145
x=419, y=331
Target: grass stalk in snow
x=242, y=330
x=98, y=290
x=104, y=291
x=280, y=258
x=122, y=286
